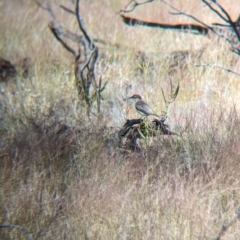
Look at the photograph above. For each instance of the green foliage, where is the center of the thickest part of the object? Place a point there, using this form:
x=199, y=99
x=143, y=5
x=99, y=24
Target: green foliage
x=172, y=96
x=144, y=67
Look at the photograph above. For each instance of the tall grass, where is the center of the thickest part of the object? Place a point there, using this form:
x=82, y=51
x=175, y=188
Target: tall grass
x=64, y=177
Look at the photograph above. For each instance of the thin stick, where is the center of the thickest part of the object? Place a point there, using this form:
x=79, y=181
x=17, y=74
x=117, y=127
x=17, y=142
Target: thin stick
x=67, y=9
x=20, y=228
x=135, y=5
x=81, y=26
x=217, y=66
x=227, y=19
x=56, y=33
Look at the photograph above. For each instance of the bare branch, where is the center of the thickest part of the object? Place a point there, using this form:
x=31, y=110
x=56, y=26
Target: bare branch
x=210, y=28
x=49, y=9
x=214, y=10
x=85, y=56
x=62, y=32
x=89, y=58
x=199, y=21
x=134, y=5
x=229, y=36
x=236, y=50
x=57, y=30
x=178, y=12
x=81, y=26
x=227, y=19
x=57, y=33
x=217, y=66
x=20, y=228
x=67, y=9
x=223, y=10
x=40, y=5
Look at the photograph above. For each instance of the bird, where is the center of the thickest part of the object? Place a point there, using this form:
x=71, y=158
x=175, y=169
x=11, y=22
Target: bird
x=142, y=107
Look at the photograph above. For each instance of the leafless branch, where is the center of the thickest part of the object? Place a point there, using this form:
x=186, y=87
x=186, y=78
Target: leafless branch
x=86, y=54
x=88, y=60
x=178, y=12
x=82, y=27
x=49, y=9
x=199, y=21
x=135, y=4
x=226, y=19
x=40, y=5
x=209, y=5
x=235, y=50
x=226, y=227
x=217, y=66
x=20, y=228
x=67, y=9
x=213, y=6
x=57, y=33
x=98, y=93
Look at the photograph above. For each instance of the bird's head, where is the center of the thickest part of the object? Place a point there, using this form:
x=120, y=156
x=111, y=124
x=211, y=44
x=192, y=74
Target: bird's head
x=135, y=97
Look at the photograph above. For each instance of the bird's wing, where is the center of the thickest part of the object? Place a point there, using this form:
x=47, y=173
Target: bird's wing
x=142, y=106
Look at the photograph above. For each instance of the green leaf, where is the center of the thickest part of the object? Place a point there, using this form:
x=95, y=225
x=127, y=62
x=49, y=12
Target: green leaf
x=176, y=93
x=163, y=96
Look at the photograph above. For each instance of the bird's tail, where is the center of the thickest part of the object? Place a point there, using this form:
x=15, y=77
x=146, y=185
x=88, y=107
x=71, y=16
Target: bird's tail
x=154, y=114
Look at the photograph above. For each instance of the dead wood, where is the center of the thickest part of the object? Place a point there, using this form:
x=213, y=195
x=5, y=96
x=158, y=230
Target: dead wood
x=230, y=31
x=135, y=129
x=88, y=86
x=20, y=228
x=7, y=70
x=193, y=28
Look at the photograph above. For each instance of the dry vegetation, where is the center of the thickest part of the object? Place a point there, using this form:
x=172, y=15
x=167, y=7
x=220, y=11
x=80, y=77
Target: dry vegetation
x=63, y=177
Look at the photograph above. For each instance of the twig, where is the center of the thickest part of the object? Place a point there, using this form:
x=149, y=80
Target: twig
x=187, y=15
x=81, y=26
x=40, y=5
x=224, y=16
x=89, y=58
x=56, y=28
x=67, y=10
x=214, y=10
x=20, y=228
x=227, y=19
x=135, y=5
x=226, y=227
x=98, y=92
x=86, y=55
x=49, y=9
x=217, y=66
x=56, y=32
x=210, y=28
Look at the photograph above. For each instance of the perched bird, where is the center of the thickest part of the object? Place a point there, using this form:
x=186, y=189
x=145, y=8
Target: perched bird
x=142, y=107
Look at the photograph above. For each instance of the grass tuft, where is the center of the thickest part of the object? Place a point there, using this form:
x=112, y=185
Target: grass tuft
x=63, y=176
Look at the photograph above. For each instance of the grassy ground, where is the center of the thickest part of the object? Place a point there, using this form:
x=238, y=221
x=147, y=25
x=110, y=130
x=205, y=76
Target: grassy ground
x=63, y=177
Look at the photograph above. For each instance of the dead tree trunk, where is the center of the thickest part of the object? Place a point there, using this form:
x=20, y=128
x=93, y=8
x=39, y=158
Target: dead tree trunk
x=230, y=31
x=89, y=88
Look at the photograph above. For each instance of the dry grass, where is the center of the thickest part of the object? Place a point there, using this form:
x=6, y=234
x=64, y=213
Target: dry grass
x=63, y=177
